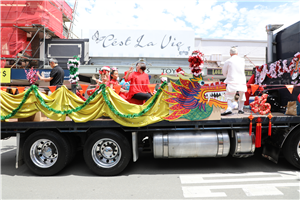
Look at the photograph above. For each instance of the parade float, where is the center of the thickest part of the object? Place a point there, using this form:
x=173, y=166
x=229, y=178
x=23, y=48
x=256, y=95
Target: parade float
x=183, y=119
x=186, y=98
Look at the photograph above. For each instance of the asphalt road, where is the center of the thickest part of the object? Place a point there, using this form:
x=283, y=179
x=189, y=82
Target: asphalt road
x=149, y=178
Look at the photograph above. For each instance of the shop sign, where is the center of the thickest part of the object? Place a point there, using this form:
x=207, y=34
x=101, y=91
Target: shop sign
x=5, y=75
x=141, y=43
x=218, y=72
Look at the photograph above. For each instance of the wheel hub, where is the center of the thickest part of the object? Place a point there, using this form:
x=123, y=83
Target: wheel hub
x=43, y=153
x=47, y=151
x=106, y=153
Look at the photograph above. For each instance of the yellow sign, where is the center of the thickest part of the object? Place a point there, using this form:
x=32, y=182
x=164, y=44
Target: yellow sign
x=5, y=75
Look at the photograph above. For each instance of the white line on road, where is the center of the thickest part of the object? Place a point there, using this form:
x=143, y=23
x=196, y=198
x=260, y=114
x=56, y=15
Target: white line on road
x=190, y=179
x=249, y=189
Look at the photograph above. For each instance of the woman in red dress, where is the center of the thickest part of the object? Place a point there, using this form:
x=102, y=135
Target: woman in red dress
x=139, y=81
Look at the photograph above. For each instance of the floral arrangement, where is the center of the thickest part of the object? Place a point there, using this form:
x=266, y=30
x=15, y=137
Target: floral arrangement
x=196, y=62
x=73, y=66
x=277, y=69
x=31, y=75
x=260, y=106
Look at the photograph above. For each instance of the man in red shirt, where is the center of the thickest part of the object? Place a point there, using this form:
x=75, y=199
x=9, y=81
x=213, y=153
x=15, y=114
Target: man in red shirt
x=139, y=81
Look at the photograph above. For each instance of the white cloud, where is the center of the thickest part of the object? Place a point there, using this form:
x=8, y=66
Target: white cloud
x=212, y=18
x=229, y=25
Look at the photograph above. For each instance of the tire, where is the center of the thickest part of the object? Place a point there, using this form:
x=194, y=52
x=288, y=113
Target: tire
x=46, y=152
x=291, y=148
x=107, y=152
x=73, y=146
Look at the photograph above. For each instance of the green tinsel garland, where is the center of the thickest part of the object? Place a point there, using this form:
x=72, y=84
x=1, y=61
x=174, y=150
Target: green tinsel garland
x=102, y=87
x=35, y=90
x=112, y=108
x=20, y=105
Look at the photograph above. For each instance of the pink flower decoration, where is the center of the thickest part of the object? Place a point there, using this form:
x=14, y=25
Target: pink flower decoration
x=31, y=75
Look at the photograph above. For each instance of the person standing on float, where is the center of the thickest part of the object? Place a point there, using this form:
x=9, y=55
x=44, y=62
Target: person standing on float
x=234, y=71
x=139, y=81
x=56, y=75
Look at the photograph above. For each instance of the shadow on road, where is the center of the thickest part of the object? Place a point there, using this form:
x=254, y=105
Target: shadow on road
x=147, y=165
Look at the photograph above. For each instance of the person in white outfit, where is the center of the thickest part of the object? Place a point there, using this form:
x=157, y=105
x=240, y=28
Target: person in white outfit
x=234, y=71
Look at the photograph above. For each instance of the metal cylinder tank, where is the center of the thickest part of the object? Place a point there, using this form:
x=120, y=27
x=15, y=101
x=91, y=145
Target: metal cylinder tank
x=242, y=144
x=191, y=144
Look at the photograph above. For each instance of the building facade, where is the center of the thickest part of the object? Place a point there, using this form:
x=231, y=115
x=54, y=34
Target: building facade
x=216, y=52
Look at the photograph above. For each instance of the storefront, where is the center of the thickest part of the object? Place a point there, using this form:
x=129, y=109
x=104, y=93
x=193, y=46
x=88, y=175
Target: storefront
x=164, y=51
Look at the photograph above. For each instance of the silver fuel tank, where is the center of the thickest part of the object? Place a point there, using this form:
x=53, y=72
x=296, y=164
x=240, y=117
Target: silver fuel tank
x=191, y=144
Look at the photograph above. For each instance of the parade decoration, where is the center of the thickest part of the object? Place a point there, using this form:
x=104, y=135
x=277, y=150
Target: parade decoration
x=104, y=97
x=290, y=88
x=250, y=126
x=260, y=106
x=270, y=125
x=278, y=68
x=31, y=75
x=254, y=88
x=52, y=88
x=13, y=90
x=179, y=71
x=258, y=133
x=84, y=87
x=34, y=89
x=80, y=95
x=116, y=112
x=191, y=98
x=3, y=89
x=21, y=89
x=196, y=63
x=73, y=66
x=163, y=79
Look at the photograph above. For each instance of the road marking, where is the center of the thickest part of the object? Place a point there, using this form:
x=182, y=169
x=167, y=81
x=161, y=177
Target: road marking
x=190, y=179
x=7, y=150
x=209, y=181
x=249, y=189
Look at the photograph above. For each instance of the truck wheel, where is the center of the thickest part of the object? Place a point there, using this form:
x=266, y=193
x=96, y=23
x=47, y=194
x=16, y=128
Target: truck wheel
x=73, y=146
x=291, y=148
x=46, y=152
x=107, y=152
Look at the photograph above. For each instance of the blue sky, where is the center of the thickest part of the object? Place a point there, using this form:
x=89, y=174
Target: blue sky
x=208, y=18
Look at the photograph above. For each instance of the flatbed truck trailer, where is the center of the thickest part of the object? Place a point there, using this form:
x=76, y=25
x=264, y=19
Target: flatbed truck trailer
x=48, y=146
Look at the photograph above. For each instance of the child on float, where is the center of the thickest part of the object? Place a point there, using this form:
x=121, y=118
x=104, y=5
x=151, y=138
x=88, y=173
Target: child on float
x=104, y=76
x=114, y=80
